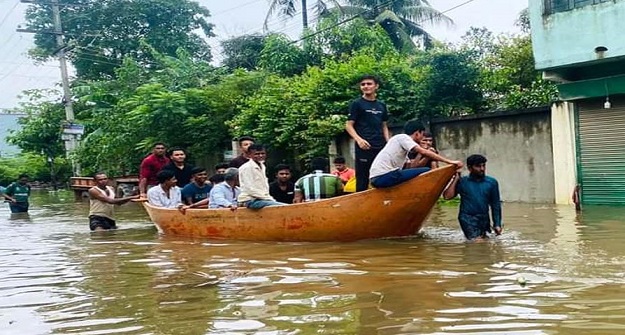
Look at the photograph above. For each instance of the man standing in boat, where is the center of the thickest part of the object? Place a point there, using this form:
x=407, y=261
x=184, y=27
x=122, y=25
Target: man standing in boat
x=150, y=166
x=477, y=193
x=179, y=166
x=102, y=202
x=253, y=180
x=366, y=124
x=386, y=170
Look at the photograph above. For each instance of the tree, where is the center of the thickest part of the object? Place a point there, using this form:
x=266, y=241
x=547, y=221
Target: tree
x=451, y=84
x=289, y=8
x=299, y=116
x=40, y=133
x=125, y=116
x=339, y=40
x=242, y=52
x=402, y=20
x=507, y=76
x=101, y=33
x=281, y=56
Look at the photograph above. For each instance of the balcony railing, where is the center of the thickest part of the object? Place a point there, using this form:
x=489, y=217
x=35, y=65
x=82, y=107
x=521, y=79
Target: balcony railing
x=556, y=6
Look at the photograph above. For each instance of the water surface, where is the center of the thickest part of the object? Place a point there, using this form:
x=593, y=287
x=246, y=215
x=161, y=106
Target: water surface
x=552, y=272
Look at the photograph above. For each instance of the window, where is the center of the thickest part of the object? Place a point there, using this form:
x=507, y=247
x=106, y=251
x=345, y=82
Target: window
x=556, y=6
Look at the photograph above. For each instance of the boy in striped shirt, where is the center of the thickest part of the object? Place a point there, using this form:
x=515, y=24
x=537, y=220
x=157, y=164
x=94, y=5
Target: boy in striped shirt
x=317, y=185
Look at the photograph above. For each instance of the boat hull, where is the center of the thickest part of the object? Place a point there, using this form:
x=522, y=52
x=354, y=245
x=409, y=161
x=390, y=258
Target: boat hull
x=377, y=213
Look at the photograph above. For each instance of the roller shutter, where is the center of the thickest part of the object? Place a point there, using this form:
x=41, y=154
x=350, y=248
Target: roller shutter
x=602, y=152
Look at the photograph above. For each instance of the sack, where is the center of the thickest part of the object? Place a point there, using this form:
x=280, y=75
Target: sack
x=350, y=186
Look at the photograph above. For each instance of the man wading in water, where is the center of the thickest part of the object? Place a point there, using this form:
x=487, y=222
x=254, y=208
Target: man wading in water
x=477, y=192
x=101, y=204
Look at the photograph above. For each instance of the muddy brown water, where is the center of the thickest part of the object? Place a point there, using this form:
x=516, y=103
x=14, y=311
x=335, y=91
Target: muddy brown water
x=552, y=272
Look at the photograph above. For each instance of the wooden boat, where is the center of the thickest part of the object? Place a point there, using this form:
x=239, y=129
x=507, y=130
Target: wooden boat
x=376, y=213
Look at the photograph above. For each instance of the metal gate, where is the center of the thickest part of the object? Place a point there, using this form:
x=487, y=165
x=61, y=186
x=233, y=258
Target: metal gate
x=601, y=156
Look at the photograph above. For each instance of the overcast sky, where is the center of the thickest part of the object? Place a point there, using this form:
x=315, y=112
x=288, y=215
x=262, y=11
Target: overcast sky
x=231, y=18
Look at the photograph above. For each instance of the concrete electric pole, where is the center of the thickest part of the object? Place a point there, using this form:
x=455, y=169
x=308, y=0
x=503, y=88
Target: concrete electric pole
x=71, y=131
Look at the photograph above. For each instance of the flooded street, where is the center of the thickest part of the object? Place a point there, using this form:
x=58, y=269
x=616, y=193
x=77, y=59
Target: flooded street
x=552, y=272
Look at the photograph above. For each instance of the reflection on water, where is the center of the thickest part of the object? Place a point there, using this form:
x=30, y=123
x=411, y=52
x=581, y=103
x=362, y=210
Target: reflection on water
x=552, y=272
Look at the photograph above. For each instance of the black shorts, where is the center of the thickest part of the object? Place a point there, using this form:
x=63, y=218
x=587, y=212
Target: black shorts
x=102, y=222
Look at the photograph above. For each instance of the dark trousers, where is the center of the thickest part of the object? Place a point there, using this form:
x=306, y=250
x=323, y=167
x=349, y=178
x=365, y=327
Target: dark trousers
x=18, y=207
x=364, y=159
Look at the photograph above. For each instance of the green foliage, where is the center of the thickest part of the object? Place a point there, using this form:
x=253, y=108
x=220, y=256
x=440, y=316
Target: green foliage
x=450, y=84
x=103, y=33
x=301, y=115
x=507, y=77
x=123, y=128
x=40, y=131
x=291, y=96
x=282, y=57
x=402, y=20
x=288, y=8
x=339, y=41
x=35, y=166
x=242, y=52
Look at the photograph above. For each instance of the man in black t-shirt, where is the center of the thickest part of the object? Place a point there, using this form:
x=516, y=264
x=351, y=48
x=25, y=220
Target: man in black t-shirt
x=244, y=143
x=179, y=166
x=366, y=124
x=282, y=189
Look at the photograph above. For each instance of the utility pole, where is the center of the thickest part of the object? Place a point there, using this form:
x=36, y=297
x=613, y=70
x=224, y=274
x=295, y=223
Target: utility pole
x=71, y=131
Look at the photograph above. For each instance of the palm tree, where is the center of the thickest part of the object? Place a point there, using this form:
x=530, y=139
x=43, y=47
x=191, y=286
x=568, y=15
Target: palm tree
x=289, y=8
x=401, y=19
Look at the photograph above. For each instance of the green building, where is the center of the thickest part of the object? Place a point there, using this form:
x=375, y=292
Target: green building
x=580, y=44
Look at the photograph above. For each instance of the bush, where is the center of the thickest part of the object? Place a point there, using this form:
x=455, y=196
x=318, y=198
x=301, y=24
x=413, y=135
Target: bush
x=34, y=166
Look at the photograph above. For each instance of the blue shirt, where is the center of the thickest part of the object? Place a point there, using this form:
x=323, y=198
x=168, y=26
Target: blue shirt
x=476, y=195
x=222, y=195
x=196, y=193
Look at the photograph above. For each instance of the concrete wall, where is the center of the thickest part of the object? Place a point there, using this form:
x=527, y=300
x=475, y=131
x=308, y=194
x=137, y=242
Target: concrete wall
x=571, y=37
x=517, y=144
x=343, y=146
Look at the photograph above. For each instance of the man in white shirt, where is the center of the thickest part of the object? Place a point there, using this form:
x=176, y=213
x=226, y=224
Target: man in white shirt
x=253, y=180
x=386, y=170
x=166, y=194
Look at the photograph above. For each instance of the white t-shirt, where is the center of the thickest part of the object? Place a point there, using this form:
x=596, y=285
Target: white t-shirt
x=393, y=155
x=158, y=197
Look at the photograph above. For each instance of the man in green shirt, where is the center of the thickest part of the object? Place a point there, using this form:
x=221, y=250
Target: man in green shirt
x=17, y=193
x=319, y=184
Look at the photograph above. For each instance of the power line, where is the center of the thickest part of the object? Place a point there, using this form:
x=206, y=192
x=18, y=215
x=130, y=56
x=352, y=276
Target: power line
x=367, y=10
x=234, y=8
x=8, y=14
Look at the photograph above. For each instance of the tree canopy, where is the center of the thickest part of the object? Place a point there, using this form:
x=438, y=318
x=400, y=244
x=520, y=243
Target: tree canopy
x=101, y=33
x=290, y=95
x=402, y=20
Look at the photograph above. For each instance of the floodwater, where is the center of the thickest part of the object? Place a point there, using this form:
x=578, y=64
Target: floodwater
x=552, y=272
